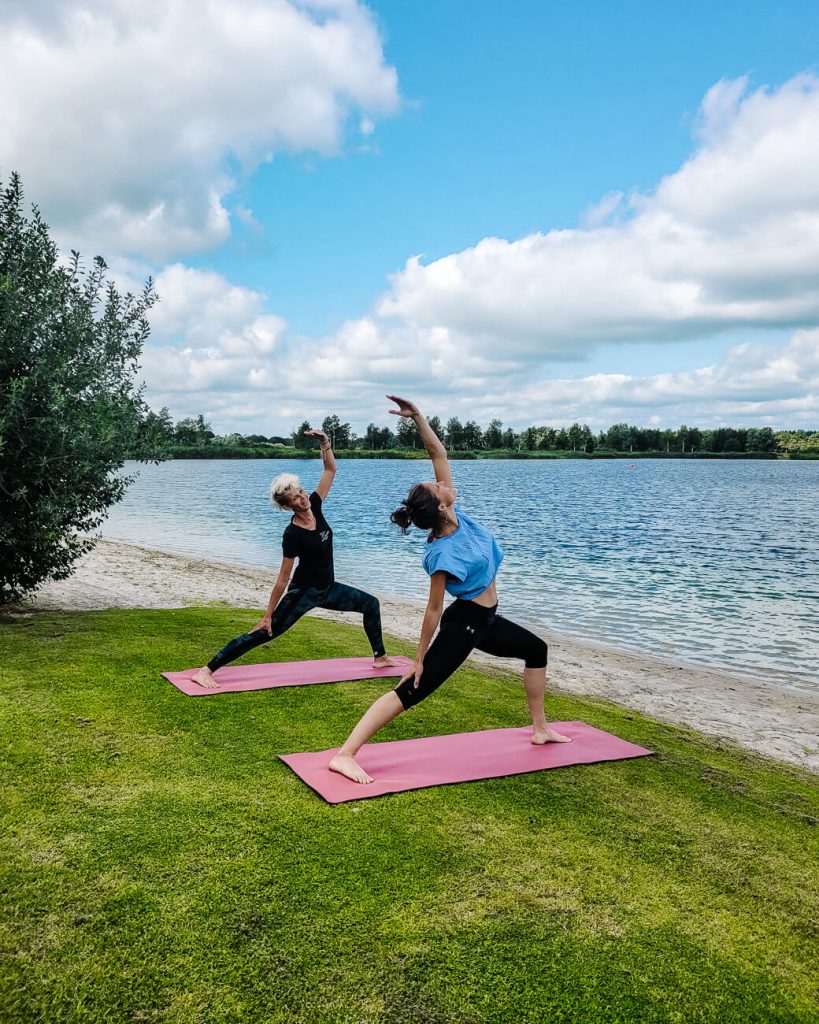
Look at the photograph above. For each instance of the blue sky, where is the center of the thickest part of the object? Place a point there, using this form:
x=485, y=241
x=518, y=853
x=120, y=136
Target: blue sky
x=500, y=121
x=514, y=122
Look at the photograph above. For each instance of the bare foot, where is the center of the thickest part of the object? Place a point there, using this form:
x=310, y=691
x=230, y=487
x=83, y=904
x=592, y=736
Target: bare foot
x=349, y=768
x=383, y=662
x=205, y=678
x=548, y=735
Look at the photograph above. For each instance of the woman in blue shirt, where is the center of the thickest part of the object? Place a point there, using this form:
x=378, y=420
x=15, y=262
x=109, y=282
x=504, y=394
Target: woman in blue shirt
x=461, y=558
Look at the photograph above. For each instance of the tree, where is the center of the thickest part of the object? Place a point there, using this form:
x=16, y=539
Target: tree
x=71, y=411
x=575, y=436
x=193, y=430
x=299, y=440
x=233, y=440
x=692, y=439
x=454, y=434
x=587, y=439
x=493, y=438
x=618, y=437
x=653, y=439
x=529, y=439
x=407, y=433
x=798, y=441
x=377, y=438
x=473, y=435
x=338, y=432
x=160, y=425
x=761, y=439
x=548, y=439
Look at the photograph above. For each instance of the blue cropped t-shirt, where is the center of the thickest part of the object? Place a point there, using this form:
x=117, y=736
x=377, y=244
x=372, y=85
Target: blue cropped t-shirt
x=470, y=557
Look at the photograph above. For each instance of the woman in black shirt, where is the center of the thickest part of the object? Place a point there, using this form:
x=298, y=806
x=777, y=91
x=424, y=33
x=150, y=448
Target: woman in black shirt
x=309, y=539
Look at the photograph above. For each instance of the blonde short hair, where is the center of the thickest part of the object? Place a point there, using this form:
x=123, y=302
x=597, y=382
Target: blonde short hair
x=281, y=487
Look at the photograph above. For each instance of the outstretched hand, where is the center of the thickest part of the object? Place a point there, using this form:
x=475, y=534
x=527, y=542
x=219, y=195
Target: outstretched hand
x=405, y=407
x=315, y=432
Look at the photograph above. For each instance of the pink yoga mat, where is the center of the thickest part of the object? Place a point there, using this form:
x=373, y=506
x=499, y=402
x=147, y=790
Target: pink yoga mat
x=463, y=757
x=233, y=678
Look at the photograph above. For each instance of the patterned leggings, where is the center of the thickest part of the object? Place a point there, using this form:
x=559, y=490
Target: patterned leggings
x=296, y=603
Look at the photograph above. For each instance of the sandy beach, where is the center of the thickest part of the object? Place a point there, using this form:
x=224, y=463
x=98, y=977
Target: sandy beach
x=783, y=724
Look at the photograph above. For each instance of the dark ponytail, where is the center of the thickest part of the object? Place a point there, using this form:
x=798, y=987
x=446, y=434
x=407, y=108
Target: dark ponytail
x=419, y=508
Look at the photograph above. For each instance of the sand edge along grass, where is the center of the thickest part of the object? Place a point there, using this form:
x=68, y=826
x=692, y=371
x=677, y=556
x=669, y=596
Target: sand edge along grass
x=160, y=864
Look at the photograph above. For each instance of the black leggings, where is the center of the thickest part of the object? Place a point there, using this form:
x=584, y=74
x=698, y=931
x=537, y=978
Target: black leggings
x=464, y=627
x=298, y=602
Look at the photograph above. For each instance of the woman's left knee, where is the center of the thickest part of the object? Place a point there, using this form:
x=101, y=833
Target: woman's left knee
x=409, y=695
x=537, y=653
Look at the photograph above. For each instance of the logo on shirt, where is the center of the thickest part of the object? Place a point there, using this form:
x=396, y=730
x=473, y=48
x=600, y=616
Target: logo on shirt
x=325, y=534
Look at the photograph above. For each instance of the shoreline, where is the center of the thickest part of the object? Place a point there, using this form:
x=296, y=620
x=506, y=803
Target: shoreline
x=782, y=724
x=418, y=454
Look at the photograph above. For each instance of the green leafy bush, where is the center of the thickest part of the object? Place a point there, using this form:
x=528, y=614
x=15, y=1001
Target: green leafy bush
x=70, y=410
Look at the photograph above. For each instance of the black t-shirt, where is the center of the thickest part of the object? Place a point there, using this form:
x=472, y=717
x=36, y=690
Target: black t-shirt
x=313, y=548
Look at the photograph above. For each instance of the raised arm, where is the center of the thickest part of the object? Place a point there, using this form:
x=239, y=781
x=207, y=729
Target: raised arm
x=432, y=443
x=328, y=461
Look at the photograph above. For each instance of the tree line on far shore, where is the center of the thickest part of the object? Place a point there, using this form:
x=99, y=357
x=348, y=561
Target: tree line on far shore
x=193, y=435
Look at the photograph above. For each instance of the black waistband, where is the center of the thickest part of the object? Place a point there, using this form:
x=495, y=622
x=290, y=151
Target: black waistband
x=469, y=612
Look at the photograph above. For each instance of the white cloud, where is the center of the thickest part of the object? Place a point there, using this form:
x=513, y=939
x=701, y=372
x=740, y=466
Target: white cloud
x=605, y=210
x=202, y=307
x=216, y=351
x=209, y=334
x=129, y=122
x=730, y=240
x=753, y=384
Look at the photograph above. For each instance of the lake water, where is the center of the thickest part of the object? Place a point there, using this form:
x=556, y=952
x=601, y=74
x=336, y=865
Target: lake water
x=714, y=563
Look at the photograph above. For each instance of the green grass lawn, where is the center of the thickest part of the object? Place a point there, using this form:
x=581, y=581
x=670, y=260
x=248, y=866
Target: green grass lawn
x=159, y=863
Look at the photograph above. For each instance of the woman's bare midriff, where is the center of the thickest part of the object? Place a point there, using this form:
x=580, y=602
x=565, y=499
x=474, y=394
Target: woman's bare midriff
x=488, y=599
